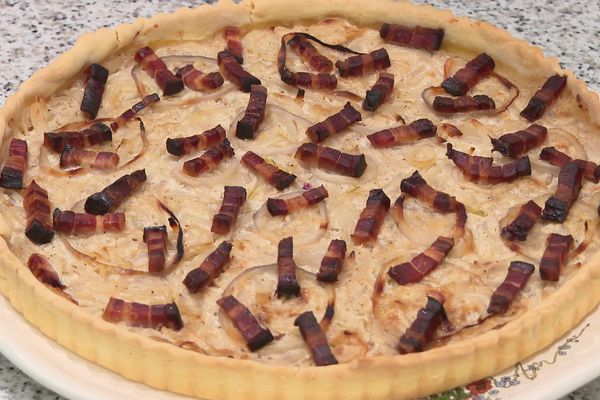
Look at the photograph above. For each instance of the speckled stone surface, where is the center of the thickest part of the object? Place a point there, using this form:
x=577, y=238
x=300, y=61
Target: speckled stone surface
x=35, y=32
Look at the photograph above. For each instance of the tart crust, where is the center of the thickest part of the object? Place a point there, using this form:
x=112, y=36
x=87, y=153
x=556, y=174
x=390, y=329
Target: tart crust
x=165, y=366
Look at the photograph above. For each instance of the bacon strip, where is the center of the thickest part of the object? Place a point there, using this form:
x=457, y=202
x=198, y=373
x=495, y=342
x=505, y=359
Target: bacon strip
x=287, y=283
x=591, y=171
x=555, y=256
x=255, y=335
x=481, y=169
x=197, y=80
x=520, y=142
x=468, y=76
x=72, y=157
x=417, y=187
x=418, y=37
x=333, y=160
x=191, y=144
x=371, y=217
x=44, y=272
x=157, y=69
x=380, y=92
x=209, y=160
x=522, y=224
x=155, y=238
x=404, y=134
x=211, y=267
x=95, y=134
x=363, y=64
x=315, y=339
x=233, y=71
x=424, y=263
x=273, y=175
x=306, y=199
x=140, y=315
x=13, y=171
x=233, y=199
x=309, y=54
x=73, y=223
x=131, y=113
x=516, y=279
x=422, y=329
x=233, y=39
x=255, y=113
x=37, y=210
x=543, y=98
x=114, y=194
x=305, y=79
x=463, y=104
x=95, y=82
x=334, y=123
x=569, y=184
x=332, y=262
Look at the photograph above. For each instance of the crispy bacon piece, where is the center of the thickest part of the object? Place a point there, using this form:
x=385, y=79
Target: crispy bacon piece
x=287, y=283
x=543, y=98
x=37, y=210
x=95, y=134
x=209, y=160
x=404, y=134
x=273, y=175
x=420, y=266
x=417, y=187
x=315, y=339
x=233, y=39
x=555, y=256
x=12, y=173
x=371, y=217
x=306, y=199
x=131, y=113
x=332, y=262
x=334, y=123
x=157, y=69
x=516, y=279
x=140, y=315
x=522, y=224
x=363, y=64
x=463, y=104
x=44, y=272
x=481, y=169
x=255, y=113
x=114, y=194
x=197, y=80
x=591, y=171
x=422, y=329
x=96, y=79
x=211, y=267
x=468, y=76
x=305, y=79
x=191, y=144
x=333, y=160
x=301, y=45
x=520, y=142
x=233, y=71
x=72, y=157
x=255, y=335
x=73, y=223
x=155, y=238
x=380, y=92
x=233, y=199
x=569, y=184
x=418, y=37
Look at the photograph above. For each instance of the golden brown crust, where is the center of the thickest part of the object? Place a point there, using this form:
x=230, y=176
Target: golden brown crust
x=168, y=367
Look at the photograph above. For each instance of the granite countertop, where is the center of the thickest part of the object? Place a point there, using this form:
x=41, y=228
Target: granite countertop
x=36, y=32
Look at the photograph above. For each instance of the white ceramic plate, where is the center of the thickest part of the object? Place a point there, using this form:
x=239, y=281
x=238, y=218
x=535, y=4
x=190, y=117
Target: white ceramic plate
x=564, y=366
